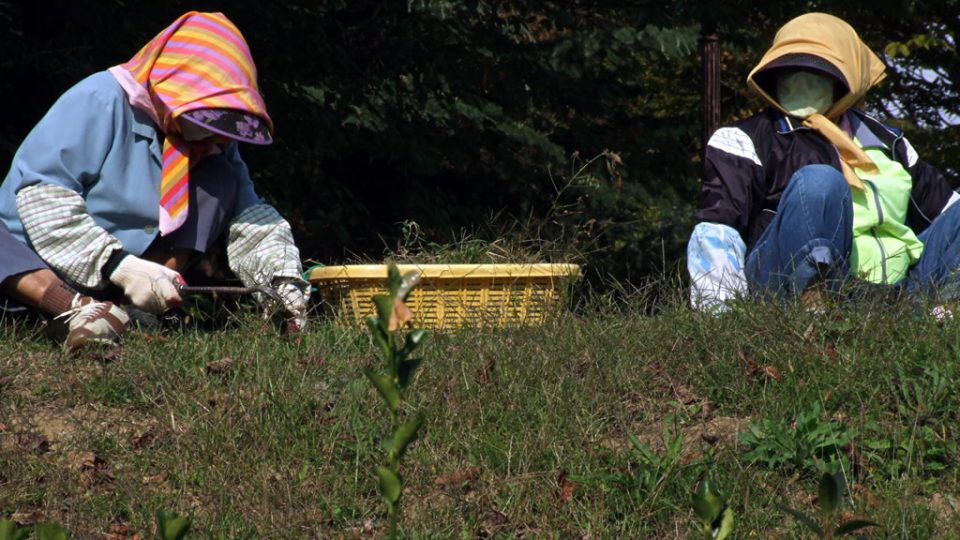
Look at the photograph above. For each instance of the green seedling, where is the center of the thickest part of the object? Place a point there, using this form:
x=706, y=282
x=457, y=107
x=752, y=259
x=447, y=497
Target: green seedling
x=716, y=518
x=392, y=381
x=831, y=490
x=52, y=531
x=9, y=530
x=171, y=526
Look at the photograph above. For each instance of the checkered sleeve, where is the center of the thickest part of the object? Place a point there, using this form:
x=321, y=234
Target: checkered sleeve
x=260, y=247
x=65, y=236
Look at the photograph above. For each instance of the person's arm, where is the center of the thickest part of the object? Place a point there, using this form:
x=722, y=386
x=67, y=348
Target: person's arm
x=261, y=251
x=931, y=193
x=716, y=251
x=61, y=231
x=733, y=175
x=260, y=246
x=55, y=165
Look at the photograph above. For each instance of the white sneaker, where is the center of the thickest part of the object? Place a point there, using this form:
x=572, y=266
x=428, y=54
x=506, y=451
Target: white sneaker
x=89, y=321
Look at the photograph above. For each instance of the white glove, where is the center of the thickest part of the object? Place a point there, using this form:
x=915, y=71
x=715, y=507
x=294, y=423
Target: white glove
x=149, y=286
x=294, y=301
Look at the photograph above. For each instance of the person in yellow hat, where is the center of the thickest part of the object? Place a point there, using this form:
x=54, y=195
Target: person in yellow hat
x=814, y=190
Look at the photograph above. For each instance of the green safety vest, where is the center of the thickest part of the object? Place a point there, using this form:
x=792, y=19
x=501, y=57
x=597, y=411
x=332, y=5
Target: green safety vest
x=884, y=247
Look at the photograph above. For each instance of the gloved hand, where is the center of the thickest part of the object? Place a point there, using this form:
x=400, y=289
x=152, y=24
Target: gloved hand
x=150, y=286
x=294, y=301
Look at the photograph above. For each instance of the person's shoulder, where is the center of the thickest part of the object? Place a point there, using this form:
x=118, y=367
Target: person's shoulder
x=874, y=122
x=100, y=86
x=758, y=125
x=767, y=119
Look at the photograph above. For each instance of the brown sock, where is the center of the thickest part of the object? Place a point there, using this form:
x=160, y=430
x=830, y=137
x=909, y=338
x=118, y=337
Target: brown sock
x=57, y=299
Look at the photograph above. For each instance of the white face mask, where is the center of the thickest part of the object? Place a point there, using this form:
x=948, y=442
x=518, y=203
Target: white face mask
x=803, y=93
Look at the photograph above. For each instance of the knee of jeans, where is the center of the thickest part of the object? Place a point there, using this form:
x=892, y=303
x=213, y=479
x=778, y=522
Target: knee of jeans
x=819, y=182
x=821, y=179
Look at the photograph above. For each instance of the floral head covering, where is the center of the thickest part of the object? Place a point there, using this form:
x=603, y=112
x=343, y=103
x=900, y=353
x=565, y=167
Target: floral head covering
x=198, y=63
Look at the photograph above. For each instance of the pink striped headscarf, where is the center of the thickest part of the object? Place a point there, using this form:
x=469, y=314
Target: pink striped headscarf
x=201, y=61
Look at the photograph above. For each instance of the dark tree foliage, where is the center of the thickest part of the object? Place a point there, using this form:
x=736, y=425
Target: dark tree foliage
x=467, y=115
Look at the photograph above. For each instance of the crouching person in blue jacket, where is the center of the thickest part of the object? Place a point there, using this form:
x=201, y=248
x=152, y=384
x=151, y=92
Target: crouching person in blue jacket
x=134, y=173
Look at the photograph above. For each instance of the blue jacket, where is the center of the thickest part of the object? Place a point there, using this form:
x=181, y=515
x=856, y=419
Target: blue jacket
x=93, y=142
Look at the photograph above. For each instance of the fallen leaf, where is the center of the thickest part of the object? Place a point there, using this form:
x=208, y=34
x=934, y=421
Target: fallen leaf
x=313, y=360
x=92, y=468
x=753, y=368
x=691, y=457
x=493, y=521
x=33, y=443
x=458, y=477
x=121, y=531
x=364, y=530
x=772, y=372
x=484, y=373
x=145, y=438
x=219, y=367
x=26, y=517
x=400, y=317
x=156, y=479
x=567, y=488
x=81, y=461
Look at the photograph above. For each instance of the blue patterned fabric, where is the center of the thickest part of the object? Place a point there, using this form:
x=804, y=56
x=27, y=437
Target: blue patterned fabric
x=715, y=258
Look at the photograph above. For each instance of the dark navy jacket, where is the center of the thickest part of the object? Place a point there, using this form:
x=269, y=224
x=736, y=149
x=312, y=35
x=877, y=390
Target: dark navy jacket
x=749, y=163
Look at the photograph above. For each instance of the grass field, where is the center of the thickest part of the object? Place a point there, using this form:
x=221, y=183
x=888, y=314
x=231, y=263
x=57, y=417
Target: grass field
x=597, y=426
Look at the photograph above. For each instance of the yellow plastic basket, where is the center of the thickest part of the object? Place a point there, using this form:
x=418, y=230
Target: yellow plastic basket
x=452, y=296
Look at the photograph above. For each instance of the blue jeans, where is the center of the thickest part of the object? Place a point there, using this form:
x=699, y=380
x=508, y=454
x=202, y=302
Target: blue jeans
x=937, y=274
x=812, y=234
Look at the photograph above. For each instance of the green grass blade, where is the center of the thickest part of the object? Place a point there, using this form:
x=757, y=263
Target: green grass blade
x=803, y=518
x=853, y=525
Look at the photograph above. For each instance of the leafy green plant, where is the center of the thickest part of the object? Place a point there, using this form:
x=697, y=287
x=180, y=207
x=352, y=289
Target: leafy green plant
x=392, y=382
x=171, y=526
x=9, y=530
x=922, y=396
x=648, y=475
x=918, y=451
x=654, y=468
x=831, y=490
x=808, y=444
x=710, y=505
x=51, y=531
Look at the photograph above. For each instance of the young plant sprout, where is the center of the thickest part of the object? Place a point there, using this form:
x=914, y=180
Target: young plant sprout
x=392, y=381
